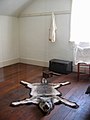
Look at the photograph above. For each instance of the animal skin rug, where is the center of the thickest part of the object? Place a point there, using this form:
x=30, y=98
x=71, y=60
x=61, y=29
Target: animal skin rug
x=45, y=95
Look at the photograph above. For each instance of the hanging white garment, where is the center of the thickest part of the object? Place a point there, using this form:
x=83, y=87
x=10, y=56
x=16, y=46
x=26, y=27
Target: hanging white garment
x=52, y=30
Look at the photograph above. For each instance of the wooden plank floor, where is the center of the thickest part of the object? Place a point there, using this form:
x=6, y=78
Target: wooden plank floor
x=12, y=90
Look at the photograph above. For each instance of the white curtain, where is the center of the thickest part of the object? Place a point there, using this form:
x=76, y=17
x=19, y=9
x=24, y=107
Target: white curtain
x=52, y=30
x=80, y=30
x=80, y=21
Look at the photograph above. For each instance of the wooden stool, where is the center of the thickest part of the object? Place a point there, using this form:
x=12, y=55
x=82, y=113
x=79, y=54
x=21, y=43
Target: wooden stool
x=48, y=74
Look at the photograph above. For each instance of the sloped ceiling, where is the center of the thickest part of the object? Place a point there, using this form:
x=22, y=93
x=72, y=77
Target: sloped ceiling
x=13, y=7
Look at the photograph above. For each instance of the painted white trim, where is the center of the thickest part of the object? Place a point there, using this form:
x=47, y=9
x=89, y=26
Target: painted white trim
x=45, y=13
x=9, y=62
x=34, y=62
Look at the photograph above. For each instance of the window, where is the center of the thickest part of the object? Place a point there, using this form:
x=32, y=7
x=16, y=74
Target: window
x=80, y=21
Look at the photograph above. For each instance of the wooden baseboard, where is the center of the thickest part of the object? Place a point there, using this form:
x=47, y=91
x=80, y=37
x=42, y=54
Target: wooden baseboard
x=9, y=62
x=34, y=62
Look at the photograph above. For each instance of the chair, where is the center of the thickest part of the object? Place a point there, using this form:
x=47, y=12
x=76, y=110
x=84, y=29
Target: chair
x=78, y=70
x=82, y=57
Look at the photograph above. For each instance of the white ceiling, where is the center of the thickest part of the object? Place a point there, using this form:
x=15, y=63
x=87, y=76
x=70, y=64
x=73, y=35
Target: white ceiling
x=13, y=7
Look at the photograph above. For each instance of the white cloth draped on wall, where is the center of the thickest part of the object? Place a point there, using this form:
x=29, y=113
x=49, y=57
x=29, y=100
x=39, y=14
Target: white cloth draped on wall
x=52, y=30
x=80, y=30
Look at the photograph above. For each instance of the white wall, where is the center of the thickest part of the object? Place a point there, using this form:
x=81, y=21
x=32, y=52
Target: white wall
x=31, y=33
x=34, y=31
x=9, y=44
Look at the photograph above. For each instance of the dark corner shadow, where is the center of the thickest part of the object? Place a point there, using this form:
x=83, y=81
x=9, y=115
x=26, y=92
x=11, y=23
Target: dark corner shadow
x=87, y=117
